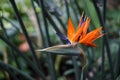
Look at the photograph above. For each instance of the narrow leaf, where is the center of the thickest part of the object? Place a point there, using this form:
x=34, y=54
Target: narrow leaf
x=90, y=9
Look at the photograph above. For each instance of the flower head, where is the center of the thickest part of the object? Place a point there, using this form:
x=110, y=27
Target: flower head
x=80, y=35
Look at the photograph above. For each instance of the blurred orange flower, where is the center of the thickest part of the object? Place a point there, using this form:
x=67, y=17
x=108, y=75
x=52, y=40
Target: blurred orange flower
x=80, y=35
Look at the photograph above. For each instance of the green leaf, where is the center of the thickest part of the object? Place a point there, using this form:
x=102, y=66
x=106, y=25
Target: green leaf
x=90, y=9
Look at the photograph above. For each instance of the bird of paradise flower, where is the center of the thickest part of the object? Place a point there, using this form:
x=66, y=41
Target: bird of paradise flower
x=79, y=36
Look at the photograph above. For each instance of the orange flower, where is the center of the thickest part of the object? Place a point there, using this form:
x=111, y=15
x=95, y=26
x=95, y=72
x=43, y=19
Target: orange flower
x=80, y=35
x=81, y=31
x=82, y=27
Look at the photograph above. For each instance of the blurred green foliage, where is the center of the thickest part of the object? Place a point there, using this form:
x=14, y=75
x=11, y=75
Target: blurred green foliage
x=57, y=7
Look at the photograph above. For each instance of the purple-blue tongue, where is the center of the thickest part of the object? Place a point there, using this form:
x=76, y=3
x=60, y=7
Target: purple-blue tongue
x=63, y=38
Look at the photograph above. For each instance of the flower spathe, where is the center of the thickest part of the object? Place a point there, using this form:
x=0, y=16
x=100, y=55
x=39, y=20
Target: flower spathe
x=80, y=35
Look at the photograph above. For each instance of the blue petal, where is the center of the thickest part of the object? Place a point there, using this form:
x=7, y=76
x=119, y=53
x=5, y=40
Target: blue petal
x=63, y=38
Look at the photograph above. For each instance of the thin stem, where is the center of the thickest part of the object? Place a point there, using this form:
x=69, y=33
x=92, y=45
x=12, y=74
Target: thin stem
x=52, y=22
x=12, y=76
x=78, y=8
x=109, y=58
x=103, y=39
x=12, y=52
x=12, y=70
x=62, y=24
x=102, y=18
x=38, y=20
x=24, y=57
x=74, y=10
x=76, y=68
x=103, y=58
x=25, y=33
x=49, y=57
x=81, y=77
x=117, y=63
x=67, y=9
x=106, y=40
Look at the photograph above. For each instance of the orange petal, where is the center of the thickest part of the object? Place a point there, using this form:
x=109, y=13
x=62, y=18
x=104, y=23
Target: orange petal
x=92, y=35
x=78, y=33
x=88, y=43
x=71, y=29
x=91, y=44
x=87, y=22
x=98, y=36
